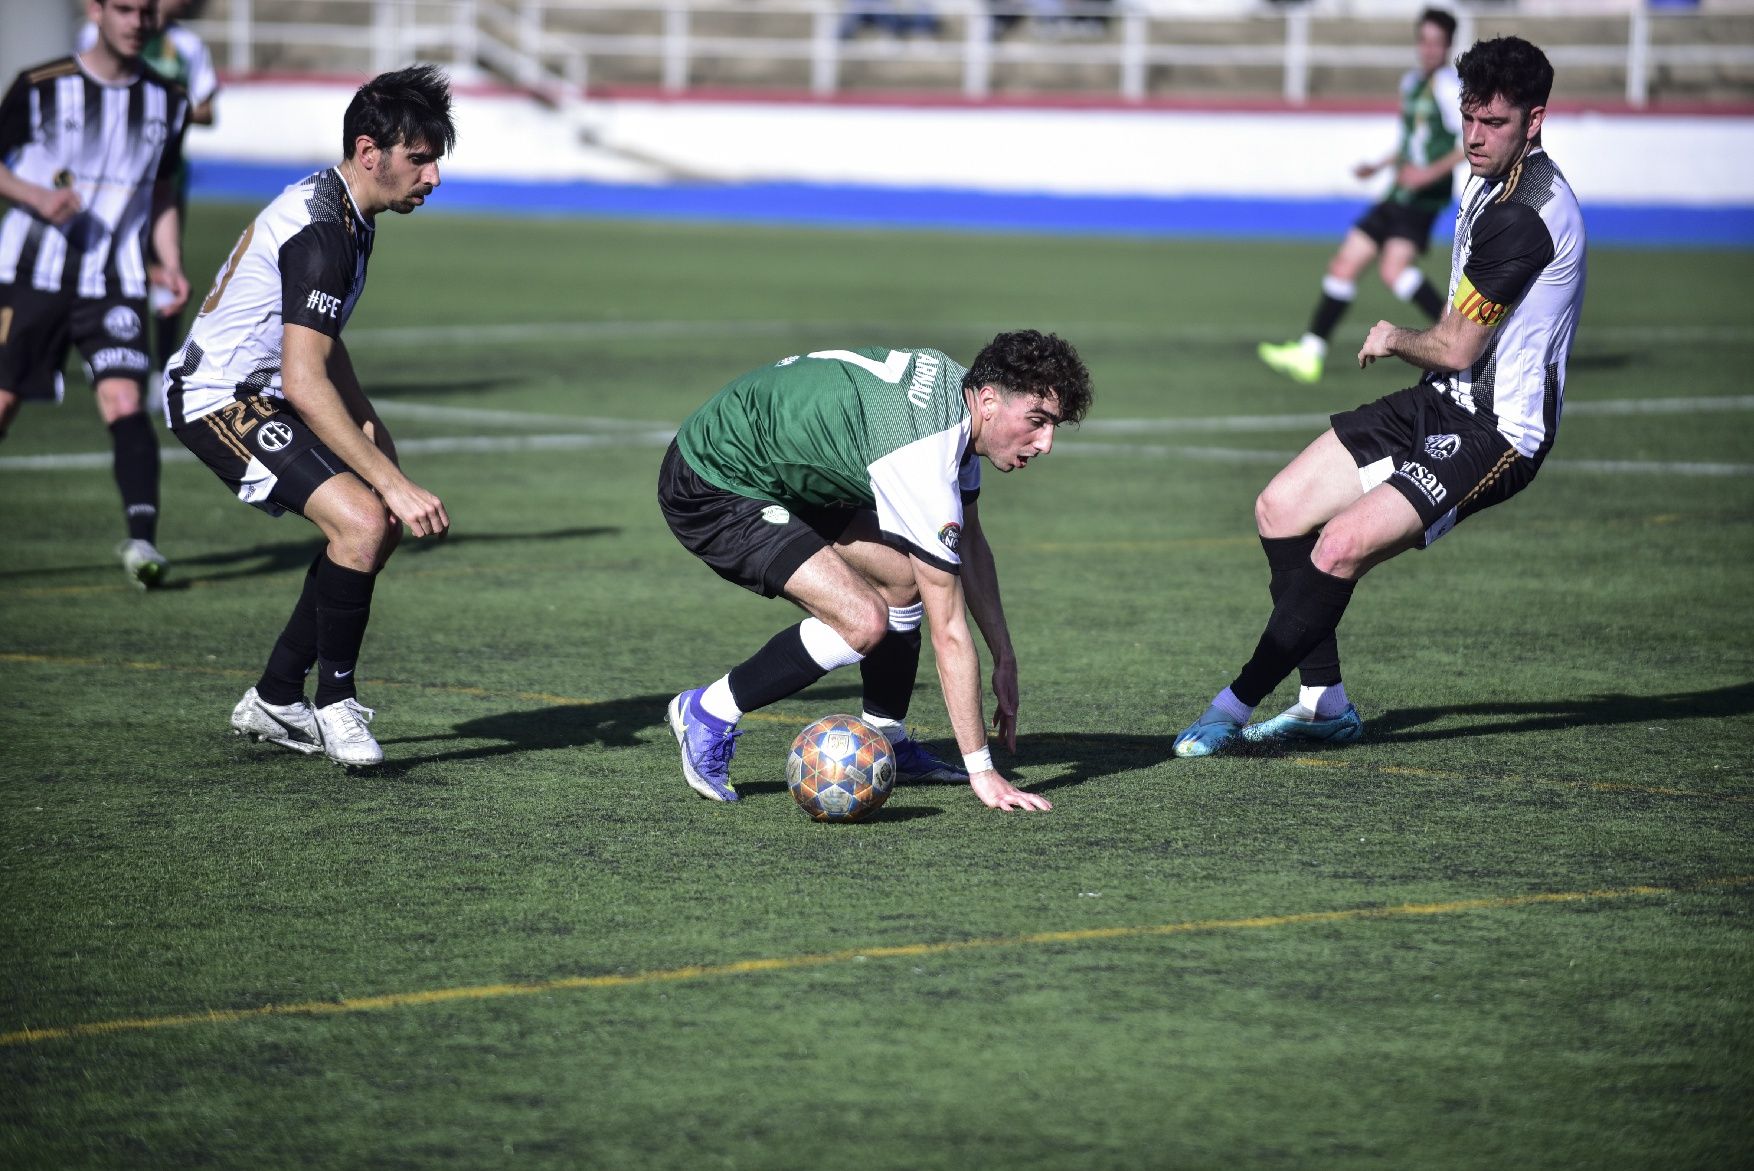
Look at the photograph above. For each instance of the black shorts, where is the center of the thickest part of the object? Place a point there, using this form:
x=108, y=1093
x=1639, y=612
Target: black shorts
x=264, y=452
x=1446, y=462
x=1399, y=221
x=758, y=544
x=36, y=327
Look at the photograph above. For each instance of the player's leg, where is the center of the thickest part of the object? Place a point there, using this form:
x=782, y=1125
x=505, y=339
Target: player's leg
x=1400, y=271
x=1301, y=360
x=8, y=411
x=361, y=536
x=135, y=465
x=889, y=670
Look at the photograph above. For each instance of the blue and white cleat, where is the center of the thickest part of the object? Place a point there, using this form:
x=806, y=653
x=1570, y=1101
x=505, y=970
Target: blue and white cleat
x=707, y=747
x=1299, y=723
x=1212, y=733
x=915, y=762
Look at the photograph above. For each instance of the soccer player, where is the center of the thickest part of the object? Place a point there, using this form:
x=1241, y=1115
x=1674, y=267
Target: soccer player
x=176, y=52
x=1396, y=231
x=1399, y=473
x=845, y=481
x=88, y=148
x=264, y=393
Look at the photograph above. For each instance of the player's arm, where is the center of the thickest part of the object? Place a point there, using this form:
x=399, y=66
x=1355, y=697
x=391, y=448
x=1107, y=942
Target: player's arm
x=305, y=364
x=1510, y=247
x=57, y=205
x=346, y=381
x=959, y=675
x=980, y=583
x=167, y=243
x=1413, y=176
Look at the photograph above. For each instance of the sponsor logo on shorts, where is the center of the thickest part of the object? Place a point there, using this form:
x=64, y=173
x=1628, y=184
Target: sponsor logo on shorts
x=273, y=436
x=773, y=514
x=118, y=358
x=1424, y=479
x=950, y=536
x=1442, y=446
x=122, y=323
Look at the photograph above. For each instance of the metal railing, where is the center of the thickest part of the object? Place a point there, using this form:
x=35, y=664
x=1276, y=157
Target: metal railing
x=555, y=46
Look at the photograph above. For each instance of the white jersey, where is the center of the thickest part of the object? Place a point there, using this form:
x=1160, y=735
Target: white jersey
x=301, y=261
x=110, y=142
x=1518, y=265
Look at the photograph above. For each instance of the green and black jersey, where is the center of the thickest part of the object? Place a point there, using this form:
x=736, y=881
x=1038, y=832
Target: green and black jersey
x=873, y=427
x=1431, y=125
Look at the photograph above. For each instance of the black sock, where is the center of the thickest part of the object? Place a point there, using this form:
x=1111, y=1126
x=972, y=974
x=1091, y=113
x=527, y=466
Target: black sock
x=136, y=469
x=1328, y=312
x=1285, y=556
x=295, y=651
x=344, y=606
x=889, y=672
x=1307, y=612
x=781, y=668
x=1429, y=300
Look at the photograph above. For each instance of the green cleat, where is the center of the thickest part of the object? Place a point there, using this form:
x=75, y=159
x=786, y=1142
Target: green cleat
x=1296, y=361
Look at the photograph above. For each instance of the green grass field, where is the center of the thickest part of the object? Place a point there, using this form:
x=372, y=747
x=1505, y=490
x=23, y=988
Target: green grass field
x=1510, y=929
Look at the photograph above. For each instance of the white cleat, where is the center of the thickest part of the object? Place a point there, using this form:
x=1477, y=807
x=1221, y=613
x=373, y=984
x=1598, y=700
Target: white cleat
x=292, y=725
x=144, y=565
x=346, y=739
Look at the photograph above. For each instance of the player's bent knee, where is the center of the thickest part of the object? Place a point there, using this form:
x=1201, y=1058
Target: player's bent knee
x=1341, y=551
x=868, y=627
x=1277, y=513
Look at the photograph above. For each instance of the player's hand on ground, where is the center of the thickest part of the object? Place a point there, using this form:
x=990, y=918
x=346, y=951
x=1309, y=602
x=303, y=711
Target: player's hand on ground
x=996, y=792
x=1376, y=343
x=1005, y=704
x=59, y=204
x=420, y=510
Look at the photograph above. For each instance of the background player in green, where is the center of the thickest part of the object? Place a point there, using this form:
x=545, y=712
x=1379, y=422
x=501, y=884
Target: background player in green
x=845, y=481
x=1399, y=227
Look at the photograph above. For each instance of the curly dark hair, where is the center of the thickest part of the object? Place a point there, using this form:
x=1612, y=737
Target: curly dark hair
x=1508, y=68
x=410, y=106
x=1027, y=361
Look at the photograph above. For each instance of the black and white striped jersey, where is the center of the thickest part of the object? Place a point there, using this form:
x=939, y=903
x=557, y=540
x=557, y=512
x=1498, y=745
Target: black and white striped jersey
x=1518, y=265
x=109, y=141
x=301, y=261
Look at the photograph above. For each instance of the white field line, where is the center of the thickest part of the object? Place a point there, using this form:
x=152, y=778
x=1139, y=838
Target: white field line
x=578, y=432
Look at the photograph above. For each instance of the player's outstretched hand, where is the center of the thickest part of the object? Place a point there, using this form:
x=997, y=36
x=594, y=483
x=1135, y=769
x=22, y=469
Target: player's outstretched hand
x=1376, y=343
x=420, y=510
x=175, y=284
x=996, y=792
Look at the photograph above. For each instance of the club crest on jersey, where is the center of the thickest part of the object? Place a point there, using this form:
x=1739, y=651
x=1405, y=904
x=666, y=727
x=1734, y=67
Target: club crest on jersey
x=950, y=536
x=122, y=323
x=773, y=514
x=273, y=436
x=1442, y=446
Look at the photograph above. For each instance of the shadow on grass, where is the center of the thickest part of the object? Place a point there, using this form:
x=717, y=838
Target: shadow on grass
x=1400, y=725
x=287, y=556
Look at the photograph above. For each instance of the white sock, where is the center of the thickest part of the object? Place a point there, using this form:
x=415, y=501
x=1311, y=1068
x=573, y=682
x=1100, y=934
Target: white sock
x=825, y=646
x=1310, y=341
x=1407, y=283
x=716, y=701
x=1325, y=702
x=893, y=731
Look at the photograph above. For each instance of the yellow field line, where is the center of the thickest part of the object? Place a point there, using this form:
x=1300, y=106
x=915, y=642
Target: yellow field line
x=28, y=1036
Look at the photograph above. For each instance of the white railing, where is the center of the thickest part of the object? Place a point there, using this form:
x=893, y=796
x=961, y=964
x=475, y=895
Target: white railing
x=539, y=44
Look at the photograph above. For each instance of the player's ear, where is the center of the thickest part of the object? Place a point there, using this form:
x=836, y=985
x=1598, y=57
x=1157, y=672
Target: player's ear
x=365, y=149
x=1537, y=115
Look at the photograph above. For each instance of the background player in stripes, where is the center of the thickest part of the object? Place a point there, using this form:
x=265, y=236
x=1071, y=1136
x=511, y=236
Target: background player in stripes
x=1396, y=231
x=264, y=392
x=845, y=481
x=1399, y=473
x=89, y=145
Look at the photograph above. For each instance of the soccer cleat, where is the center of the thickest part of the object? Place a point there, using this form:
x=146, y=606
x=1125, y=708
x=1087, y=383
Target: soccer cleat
x=914, y=762
x=292, y=725
x=1295, y=360
x=346, y=739
x=707, y=747
x=143, y=564
x=1299, y=723
x=1213, y=732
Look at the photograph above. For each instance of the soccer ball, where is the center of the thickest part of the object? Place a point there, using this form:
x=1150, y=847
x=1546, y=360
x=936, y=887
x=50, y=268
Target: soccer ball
x=840, y=769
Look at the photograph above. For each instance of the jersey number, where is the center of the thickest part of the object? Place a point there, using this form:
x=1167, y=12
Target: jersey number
x=231, y=266
x=889, y=370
